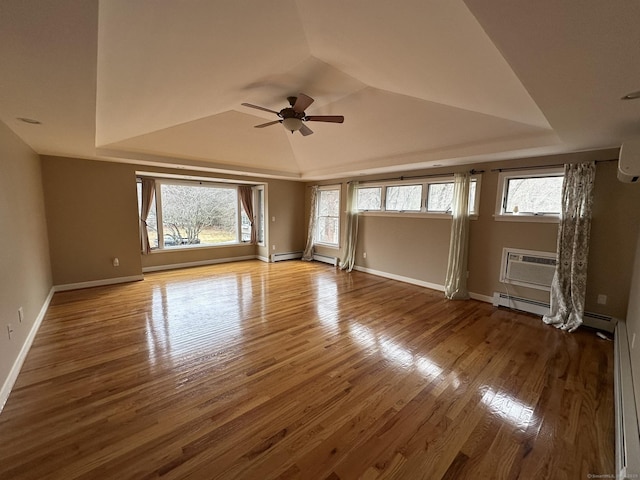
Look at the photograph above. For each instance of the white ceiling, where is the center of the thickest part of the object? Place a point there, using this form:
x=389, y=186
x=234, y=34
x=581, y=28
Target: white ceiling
x=420, y=82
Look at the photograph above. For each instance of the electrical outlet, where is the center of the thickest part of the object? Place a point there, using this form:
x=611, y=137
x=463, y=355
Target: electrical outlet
x=20, y=314
x=9, y=330
x=364, y=255
x=273, y=247
x=602, y=299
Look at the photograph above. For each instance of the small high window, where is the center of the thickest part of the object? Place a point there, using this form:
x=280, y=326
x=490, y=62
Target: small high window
x=530, y=193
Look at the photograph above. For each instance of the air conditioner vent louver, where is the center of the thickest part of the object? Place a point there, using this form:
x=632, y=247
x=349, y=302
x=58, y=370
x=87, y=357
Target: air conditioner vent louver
x=540, y=260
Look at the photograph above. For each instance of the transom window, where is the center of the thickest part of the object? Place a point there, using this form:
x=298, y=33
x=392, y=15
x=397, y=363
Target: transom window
x=404, y=198
x=429, y=196
x=440, y=197
x=530, y=193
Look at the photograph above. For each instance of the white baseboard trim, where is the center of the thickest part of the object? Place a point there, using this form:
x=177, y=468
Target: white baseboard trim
x=263, y=259
x=480, y=297
x=400, y=278
x=7, y=386
x=421, y=283
x=97, y=283
x=201, y=263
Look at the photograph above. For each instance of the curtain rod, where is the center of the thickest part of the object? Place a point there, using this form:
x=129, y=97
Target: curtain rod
x=433, y=175
x=531, y=167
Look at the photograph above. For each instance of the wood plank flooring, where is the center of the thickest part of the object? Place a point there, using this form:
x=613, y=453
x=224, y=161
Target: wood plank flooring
x=297, y=370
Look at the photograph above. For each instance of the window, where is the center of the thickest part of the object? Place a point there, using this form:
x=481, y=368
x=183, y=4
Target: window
x=404, y=198
x=369, y=198
x=186, y=214
x=328, y=220
x=198, y=214
x=440, y=197
x=431, y=197
x=530, y=193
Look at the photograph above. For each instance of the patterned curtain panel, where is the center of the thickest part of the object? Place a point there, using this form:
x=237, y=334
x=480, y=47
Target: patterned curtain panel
x=569, y=286
x=455, y=286
x=308, y=251
x=352, y=228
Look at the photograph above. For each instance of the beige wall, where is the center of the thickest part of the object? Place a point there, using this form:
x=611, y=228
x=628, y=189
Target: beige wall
x=92, y=218
x=25, y=276
x=286, y=204
x=614, y=229
x=417, y=248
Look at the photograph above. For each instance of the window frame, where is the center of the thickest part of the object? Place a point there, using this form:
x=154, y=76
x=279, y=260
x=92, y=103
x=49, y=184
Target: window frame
x=400, y=185
x=322, y=188
x=259, y=206
x=503, y=190
x=425, y=183
x=199, y=182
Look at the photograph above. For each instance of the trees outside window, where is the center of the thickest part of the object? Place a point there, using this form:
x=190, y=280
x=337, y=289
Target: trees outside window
x=194, y=215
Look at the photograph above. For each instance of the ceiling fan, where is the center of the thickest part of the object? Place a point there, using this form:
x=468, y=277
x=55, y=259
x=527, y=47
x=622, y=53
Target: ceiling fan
x=292, y=117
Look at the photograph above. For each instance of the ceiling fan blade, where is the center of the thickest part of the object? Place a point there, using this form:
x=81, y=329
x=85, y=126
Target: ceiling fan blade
x=259, y=108
x=262, y=125
x=325, y=118
x=304, y=130
x=302, y=102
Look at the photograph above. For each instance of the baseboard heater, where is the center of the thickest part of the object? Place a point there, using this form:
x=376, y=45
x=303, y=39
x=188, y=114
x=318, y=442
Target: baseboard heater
x=593, y=320
x=326, y=259
x=278, y=257
x=627, y=431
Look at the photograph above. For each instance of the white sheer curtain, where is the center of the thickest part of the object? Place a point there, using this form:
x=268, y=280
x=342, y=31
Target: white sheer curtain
x=455, y=287
x=352, y=228
x=311, y=232
x=569, y=286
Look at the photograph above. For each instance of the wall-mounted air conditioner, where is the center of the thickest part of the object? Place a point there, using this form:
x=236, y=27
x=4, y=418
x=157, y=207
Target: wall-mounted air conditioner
x=528, y=268
x=629, y=162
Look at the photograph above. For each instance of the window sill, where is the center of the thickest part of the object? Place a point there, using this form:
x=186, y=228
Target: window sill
x=327, y=245
x=528, y=218
x=442, y=216
x=198, y=247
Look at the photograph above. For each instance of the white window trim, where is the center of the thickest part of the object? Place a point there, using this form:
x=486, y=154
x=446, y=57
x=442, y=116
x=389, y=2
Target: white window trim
x=263, y=224
x=423, y=213
x=503, y=178
x=331, y=187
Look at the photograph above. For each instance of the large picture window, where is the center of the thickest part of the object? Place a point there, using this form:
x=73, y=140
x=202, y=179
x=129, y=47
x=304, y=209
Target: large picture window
x=328, y=221
x=189, y=214
x=194, y=215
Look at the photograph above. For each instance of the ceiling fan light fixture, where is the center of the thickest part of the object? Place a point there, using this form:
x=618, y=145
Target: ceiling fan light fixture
x=292, y=124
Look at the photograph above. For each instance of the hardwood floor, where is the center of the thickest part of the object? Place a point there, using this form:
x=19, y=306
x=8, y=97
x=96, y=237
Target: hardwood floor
x=295, y=370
